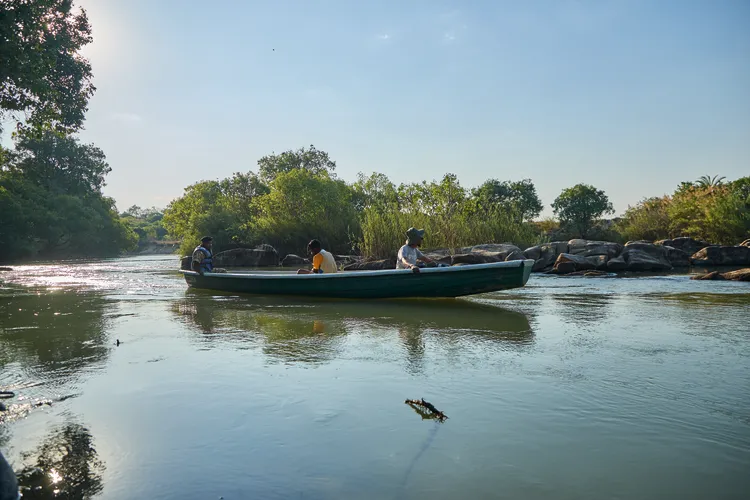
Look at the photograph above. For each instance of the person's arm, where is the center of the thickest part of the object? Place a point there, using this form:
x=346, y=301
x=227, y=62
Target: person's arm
x=423, y=257
x=196, y=264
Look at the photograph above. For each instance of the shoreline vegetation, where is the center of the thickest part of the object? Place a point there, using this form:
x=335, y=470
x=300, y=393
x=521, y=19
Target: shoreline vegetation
x=52, y=205
x=296, y=196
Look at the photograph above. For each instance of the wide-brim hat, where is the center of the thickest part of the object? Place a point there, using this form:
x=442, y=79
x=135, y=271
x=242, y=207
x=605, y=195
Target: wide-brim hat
x=414, y=234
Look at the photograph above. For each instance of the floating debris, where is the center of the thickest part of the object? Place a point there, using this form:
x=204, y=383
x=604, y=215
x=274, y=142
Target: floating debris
x=420, y=405
x=7, y=394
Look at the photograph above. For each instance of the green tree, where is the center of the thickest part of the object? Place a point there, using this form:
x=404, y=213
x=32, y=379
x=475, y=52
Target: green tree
x=146, y=223
x=648, y=220
x=43, y=74
x=59, y=163
x=706, y=181
x=520, y=196
x=310, y=159
x=442, y=198
x=51, y=200
x=579, y=206
x=301, y=205
x=377, y=190
x=718, y=214
x=203, y=210
x=240, y=191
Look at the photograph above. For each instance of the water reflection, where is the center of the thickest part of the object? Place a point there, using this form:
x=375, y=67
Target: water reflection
x=584, y=309
x=313, y=331
x=65, y=466
x=50, y=336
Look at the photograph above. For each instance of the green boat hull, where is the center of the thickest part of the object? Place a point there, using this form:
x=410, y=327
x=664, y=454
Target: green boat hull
x=396, y=283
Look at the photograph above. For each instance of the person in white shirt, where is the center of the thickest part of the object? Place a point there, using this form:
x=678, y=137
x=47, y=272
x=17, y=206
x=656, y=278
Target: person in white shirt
x=409, y=254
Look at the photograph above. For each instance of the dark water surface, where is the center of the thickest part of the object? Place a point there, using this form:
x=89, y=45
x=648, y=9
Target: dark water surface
x=570, y=388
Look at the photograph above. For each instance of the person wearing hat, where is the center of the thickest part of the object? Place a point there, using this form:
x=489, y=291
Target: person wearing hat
x=203, y=259
x=409, y=254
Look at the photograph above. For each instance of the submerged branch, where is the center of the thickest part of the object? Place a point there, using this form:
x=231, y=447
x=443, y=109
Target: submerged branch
x=426, y=409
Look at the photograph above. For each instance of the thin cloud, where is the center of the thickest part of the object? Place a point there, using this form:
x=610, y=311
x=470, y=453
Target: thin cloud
x=384, y=36
x=126, y=117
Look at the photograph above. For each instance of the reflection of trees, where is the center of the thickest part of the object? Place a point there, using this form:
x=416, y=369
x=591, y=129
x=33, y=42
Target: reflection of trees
x=54, y=333
x=65, y=466
x=411, y=337
x=583, y=309
x=282, y=334
x=312, y=330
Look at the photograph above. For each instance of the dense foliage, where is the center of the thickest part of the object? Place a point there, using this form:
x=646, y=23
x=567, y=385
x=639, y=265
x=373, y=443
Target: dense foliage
x=50, y=183
x=43, y=75
x=51, y=201
x=708, y=209
x=452, y=216
x=296, y=197
x=146, y=223
x=580, y=206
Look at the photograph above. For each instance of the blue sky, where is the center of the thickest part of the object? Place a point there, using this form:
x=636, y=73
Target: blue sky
x=632, y=96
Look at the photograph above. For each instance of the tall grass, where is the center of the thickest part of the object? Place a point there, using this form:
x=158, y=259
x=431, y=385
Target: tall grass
x=383, y=231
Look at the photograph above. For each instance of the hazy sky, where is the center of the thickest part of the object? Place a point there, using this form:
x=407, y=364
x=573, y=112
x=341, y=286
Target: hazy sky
x=632, y=96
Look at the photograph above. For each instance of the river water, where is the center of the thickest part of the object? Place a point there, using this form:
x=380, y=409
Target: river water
x=570, y=388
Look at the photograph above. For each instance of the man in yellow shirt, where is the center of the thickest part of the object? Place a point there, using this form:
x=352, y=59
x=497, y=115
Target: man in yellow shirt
x=323, y=261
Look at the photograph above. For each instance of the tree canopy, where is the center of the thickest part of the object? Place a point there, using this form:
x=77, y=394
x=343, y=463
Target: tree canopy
x=310, y=159
x=43, y=74
x=579, y=206
x=51, y=201
x=518, y=196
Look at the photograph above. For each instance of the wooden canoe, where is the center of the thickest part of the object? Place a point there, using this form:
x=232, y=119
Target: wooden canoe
x=452, y=281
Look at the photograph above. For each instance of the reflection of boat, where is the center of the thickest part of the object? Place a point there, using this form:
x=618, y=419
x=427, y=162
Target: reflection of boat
x=393, y=283
x=315, y=331
x=287, y=317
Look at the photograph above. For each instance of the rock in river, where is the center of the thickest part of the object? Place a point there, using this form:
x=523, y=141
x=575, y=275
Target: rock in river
x=722, y=256
x=640, y=256
x=579, y=263
x=738, y=275
x=687, y=245
x=260, y=256
x=515, y=255
x=372, y=265
x=292, y=260
x=544, y=255
x=677, y=257
x=477, y=258
x=588, y=248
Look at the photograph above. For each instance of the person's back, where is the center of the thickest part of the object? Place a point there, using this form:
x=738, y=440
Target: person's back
x=324, y=261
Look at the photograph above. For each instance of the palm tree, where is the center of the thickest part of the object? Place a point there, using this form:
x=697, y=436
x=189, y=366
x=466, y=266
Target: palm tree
x=706, y=181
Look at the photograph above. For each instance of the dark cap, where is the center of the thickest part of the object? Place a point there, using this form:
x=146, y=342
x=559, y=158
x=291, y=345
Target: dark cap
x=315, y=244
x=206, y=238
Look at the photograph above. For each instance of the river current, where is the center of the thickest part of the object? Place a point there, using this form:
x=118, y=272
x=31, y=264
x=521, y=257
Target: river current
x=129, y=385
